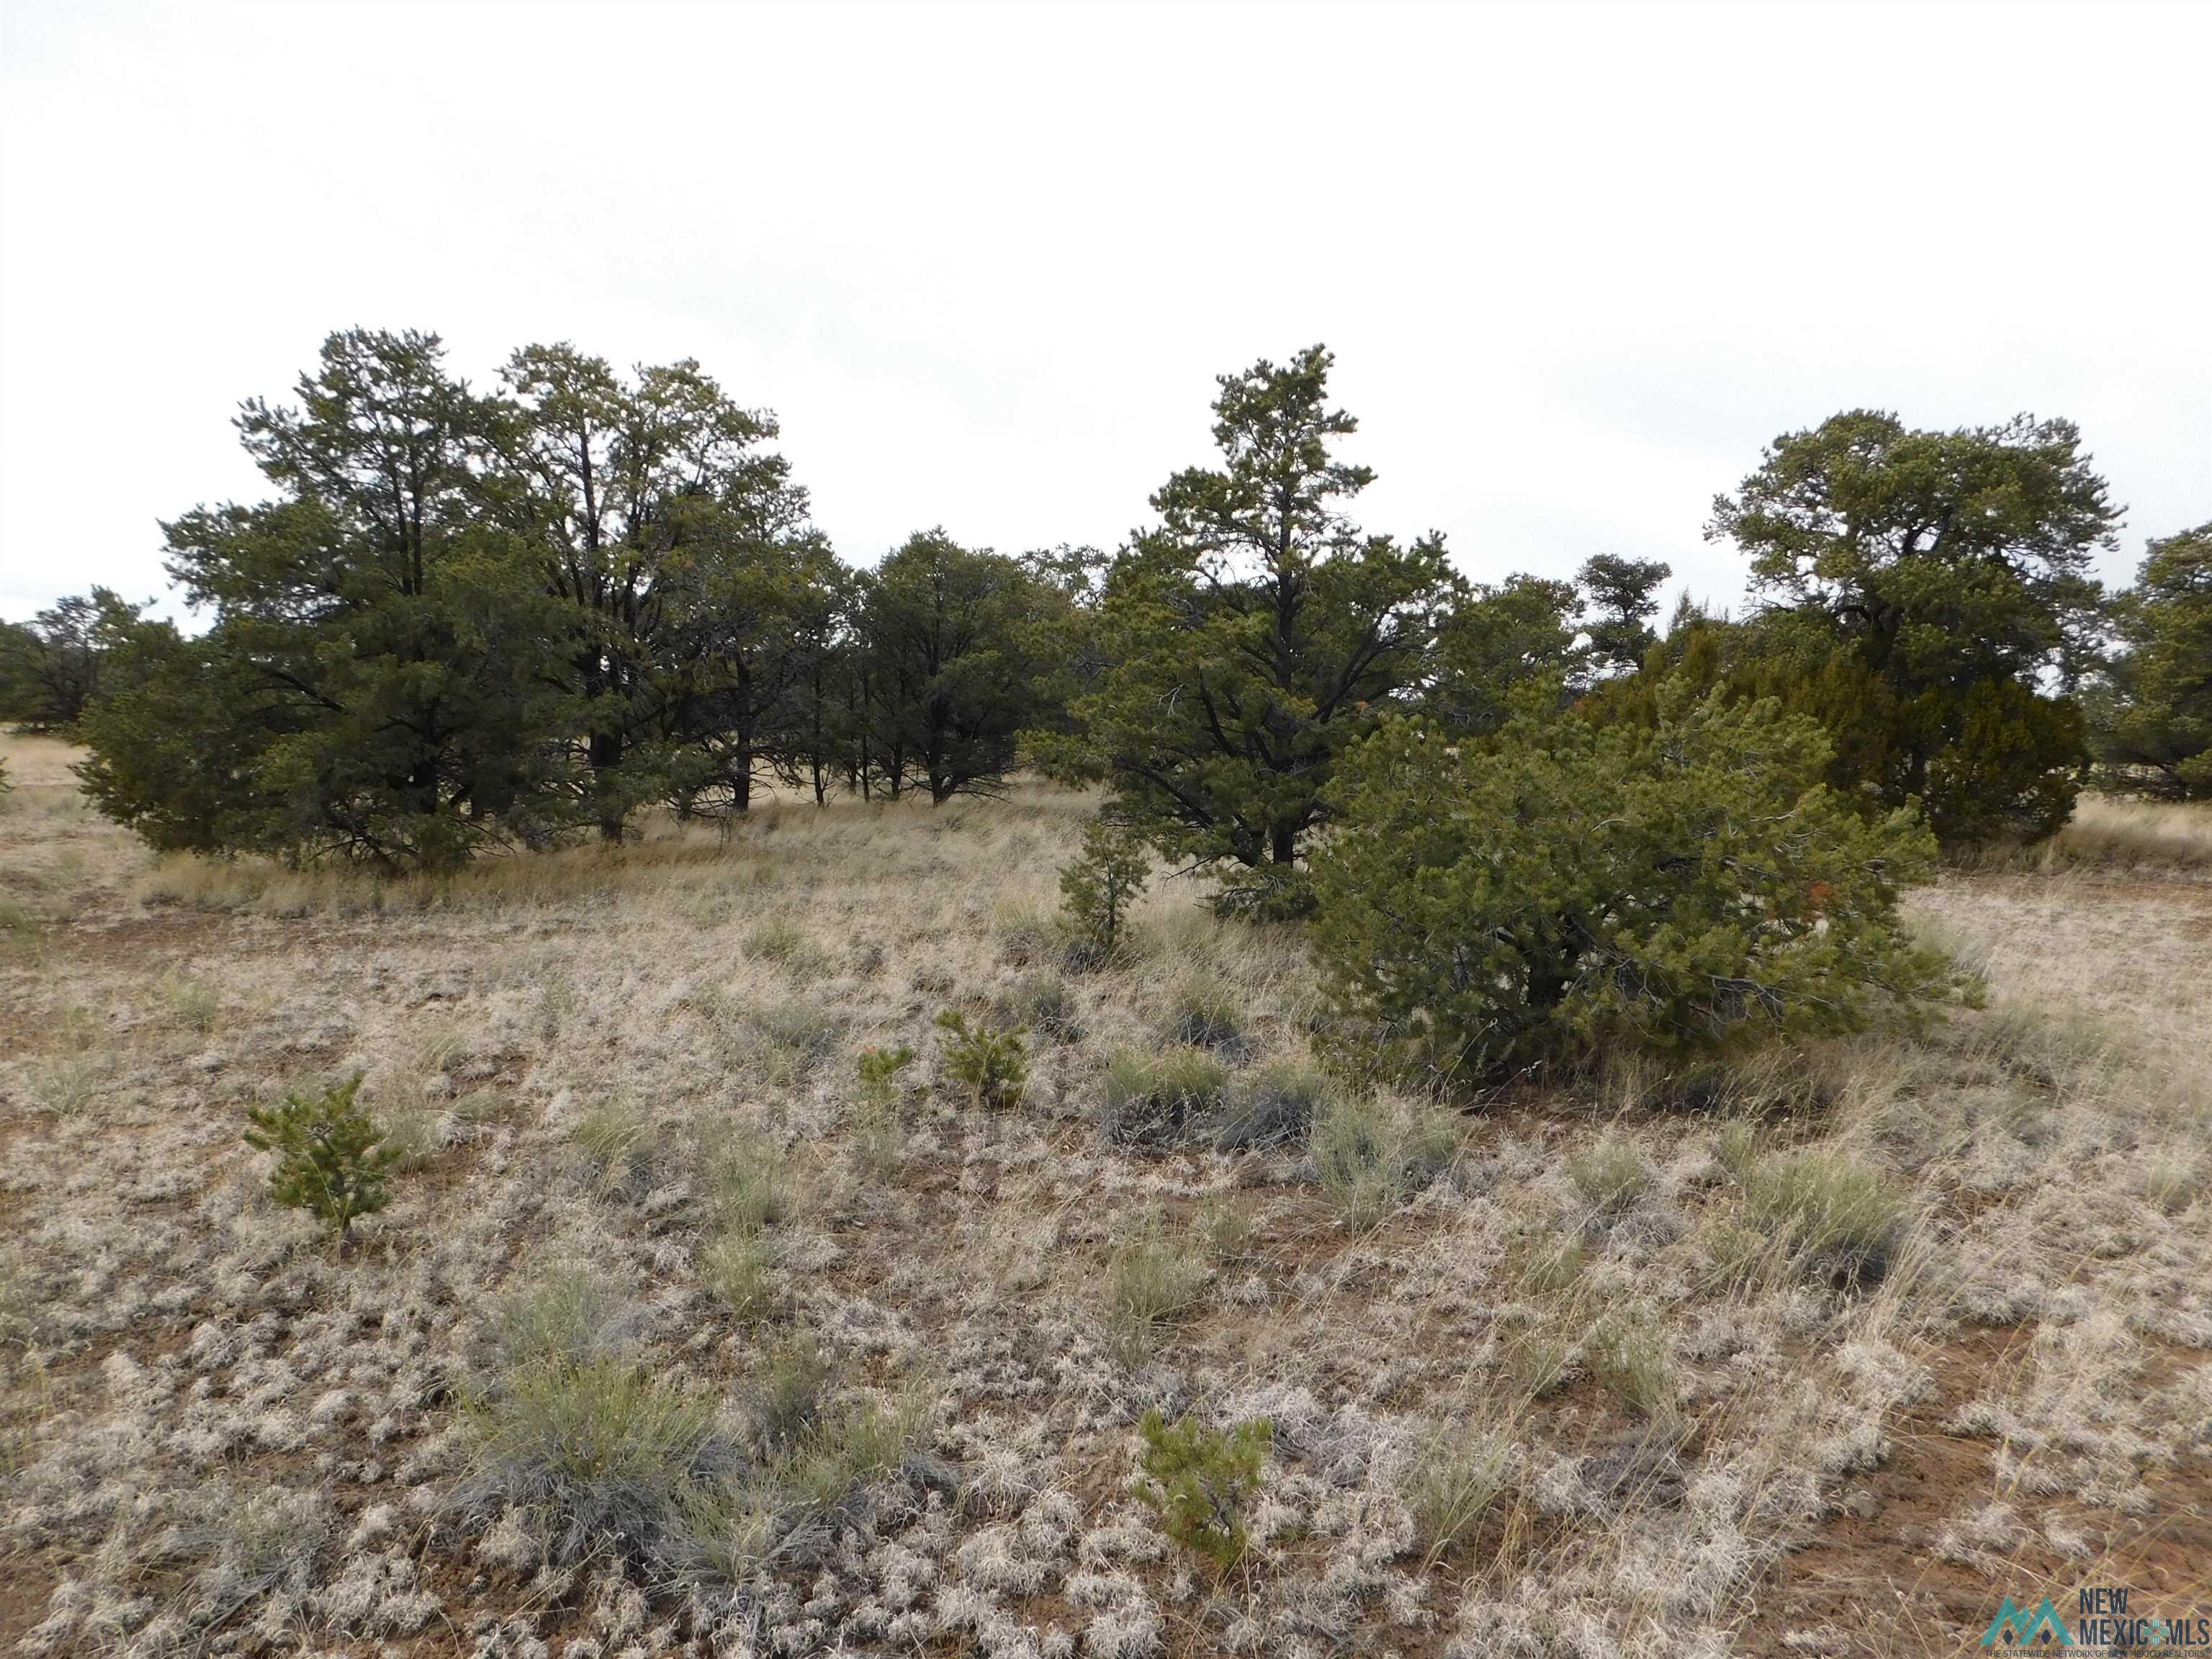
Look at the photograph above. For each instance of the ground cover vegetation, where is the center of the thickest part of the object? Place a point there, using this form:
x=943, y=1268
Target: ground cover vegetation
x=580, y=1077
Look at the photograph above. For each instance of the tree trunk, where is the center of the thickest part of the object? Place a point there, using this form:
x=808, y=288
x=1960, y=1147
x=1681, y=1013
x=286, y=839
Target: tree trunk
x=606, y=758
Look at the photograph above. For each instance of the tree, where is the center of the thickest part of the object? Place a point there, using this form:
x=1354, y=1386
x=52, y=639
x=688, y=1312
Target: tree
x=49, y=666
x=647, y=501
x=1569, y=889
x=1249, y=637
x=1620, y=596
x=952, y=671
x=1493, y=642
x=332, y=1159
x=1944, y=561
x=372, y=682
x=2152, y=720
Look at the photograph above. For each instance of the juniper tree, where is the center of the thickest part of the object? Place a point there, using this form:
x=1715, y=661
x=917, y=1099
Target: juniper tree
x=953, y=641
x=1568, y=888
x=1955, y=567
x=2153, y=719
x=661, y=524
x=371, y=681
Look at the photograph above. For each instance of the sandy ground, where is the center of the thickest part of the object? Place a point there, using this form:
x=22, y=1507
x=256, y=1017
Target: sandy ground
x=628, y=1078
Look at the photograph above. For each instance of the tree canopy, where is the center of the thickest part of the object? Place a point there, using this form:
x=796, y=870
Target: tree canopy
x=1252, y=634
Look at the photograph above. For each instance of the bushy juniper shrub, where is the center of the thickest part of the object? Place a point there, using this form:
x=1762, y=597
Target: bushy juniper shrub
x=1155, y=1099
x=331, y=1159
x=990, y=1063
x=1564, y=889
x=1202, y=1482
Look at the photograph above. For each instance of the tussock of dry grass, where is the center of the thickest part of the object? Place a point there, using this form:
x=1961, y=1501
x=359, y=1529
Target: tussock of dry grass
x=678, y=1328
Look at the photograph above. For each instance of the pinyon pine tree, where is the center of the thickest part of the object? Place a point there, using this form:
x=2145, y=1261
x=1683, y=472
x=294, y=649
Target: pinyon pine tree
x=1249, y=638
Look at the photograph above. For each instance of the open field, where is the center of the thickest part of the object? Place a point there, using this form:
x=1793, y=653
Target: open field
x=1829, y=1360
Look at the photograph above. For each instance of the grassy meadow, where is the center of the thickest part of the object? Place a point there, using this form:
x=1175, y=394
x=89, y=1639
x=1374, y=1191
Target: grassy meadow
x=678, y=1335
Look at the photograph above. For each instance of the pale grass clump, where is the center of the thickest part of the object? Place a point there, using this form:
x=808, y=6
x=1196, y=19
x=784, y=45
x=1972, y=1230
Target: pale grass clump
x=616, y=1141
x=1154, y=1277
x=1374, y=1151
x=2125, y=834
x=733, y=1525
x=599, y=1449
x=1453, y=1477
x=1272, y=1105
x=1610, y=1175
x=1836, y=1217
x=564, y=1315
x=1155, y=1099
x=1631, y=1356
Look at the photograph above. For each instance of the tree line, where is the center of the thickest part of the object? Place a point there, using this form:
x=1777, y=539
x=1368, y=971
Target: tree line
x=466, y=618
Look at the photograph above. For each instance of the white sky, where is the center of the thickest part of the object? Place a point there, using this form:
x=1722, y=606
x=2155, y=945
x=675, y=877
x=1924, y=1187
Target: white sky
x=1578, y=264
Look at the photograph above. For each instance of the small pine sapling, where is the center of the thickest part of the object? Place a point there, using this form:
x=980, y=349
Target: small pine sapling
x=991, y=1063
x=1097, y=889
x=331, y=1158
x=1200, y=1481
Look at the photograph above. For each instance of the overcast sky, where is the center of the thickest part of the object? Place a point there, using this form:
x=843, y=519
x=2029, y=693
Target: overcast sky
x=1578, y=264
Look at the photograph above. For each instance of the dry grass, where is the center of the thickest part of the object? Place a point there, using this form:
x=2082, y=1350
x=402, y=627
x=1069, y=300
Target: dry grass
x=678, y=1329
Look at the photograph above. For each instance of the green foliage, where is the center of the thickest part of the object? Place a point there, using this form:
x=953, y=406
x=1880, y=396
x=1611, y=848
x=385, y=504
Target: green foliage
x=1249, y=637
x=878, y=1071
x=1619, y=600
x=953, y=641
x=1568, y=890
x=51, y=666
x=1154, y=1099
x=2152, y=720
x=1097, y=888
x=1955, y=566
x=373, y=685
x=1497, y=645
x=991, y=1064
x=331, y=1161
x=1201, y=1482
